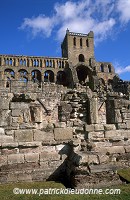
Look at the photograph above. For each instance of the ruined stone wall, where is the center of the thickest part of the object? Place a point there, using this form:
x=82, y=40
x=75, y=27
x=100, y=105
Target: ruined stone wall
x=59, y=136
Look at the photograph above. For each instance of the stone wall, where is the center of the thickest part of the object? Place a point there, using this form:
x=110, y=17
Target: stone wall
x=49, y=136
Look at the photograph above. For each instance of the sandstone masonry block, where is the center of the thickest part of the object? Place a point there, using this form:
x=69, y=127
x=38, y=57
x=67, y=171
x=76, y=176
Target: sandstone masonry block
x=89, y=128
x=99, y=127
x=32, y=157
x=6, y=139
x=45, y=156
x=15, y=158
x=94, y=135
x=63, y=133
x=109, y=127
x=43, y=136
x=23, y=135
x=116, y=149
x=19, y=105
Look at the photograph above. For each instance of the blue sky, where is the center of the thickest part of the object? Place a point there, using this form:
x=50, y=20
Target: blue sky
x=37, y=27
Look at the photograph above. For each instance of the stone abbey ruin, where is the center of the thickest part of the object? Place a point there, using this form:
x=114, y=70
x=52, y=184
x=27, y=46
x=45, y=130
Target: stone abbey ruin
x=65, y=119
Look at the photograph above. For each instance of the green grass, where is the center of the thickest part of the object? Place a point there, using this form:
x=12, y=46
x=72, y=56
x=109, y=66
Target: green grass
x=125, y=174
x=6, y=192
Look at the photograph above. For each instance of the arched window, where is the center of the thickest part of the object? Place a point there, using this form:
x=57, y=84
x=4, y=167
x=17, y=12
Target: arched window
x=23, y=75
x=109, y=68
x=61, y=78
x=48, y=76
x=102, y=68
x=9, y=73
x=80, y=42
x=74, y=41
x=81, y=58
x=36, y=76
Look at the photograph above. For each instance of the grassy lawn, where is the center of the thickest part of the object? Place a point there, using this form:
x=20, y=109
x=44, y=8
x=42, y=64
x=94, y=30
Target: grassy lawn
x=125, y=174
x=6, y=192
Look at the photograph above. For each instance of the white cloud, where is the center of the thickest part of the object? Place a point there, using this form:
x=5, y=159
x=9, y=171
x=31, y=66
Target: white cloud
x=40, y=24
x=123, y=6
x=80, y=16
x=122, y=70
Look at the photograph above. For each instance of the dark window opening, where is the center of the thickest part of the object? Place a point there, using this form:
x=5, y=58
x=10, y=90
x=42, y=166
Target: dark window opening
x=81, y=58
x=102, y=68
x=81, y=42
x=109, y=68
x=74, y=41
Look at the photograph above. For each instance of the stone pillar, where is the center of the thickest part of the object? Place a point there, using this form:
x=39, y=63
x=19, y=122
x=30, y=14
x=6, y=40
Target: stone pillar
x=2, y=61
x=16, y=62
x=94, y=110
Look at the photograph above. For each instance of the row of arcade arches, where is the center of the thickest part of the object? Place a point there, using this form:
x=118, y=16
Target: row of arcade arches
x=35, y=76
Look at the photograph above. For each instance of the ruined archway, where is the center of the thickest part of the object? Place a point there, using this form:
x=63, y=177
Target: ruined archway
x=23, y=75
x=48, y=76
x=9, y=75
x=83, y=74
x=61, y=78
x=36, y=76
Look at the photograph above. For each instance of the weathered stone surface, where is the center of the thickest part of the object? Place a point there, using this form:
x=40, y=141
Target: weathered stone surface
x=6, y=138
x=12, y=177
x=117, y=134
x=60, y=125
x=63, y=133
x=23, y=135
x=32, y=157
x=128, y=124
x=103, y=144
x=89, y=128
x=121, y=126
x=9, y=132
x=93, y=159
x=3, y=160
x=115, y=149
x=43, y=136
x=45, y=156
x=109, y=127
x=127, y=149
x=15, y=158
x=29, y=144
x=24, y=177
x=19, y=105
x=99, y=127
x=5, y=118
x=4, y=103
x=102, y=168
x=103, y=158
x=48, y=149
x=16, y=113
x=10, y=145
x=2, y=131
x=93, y=135
x=27, y=126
